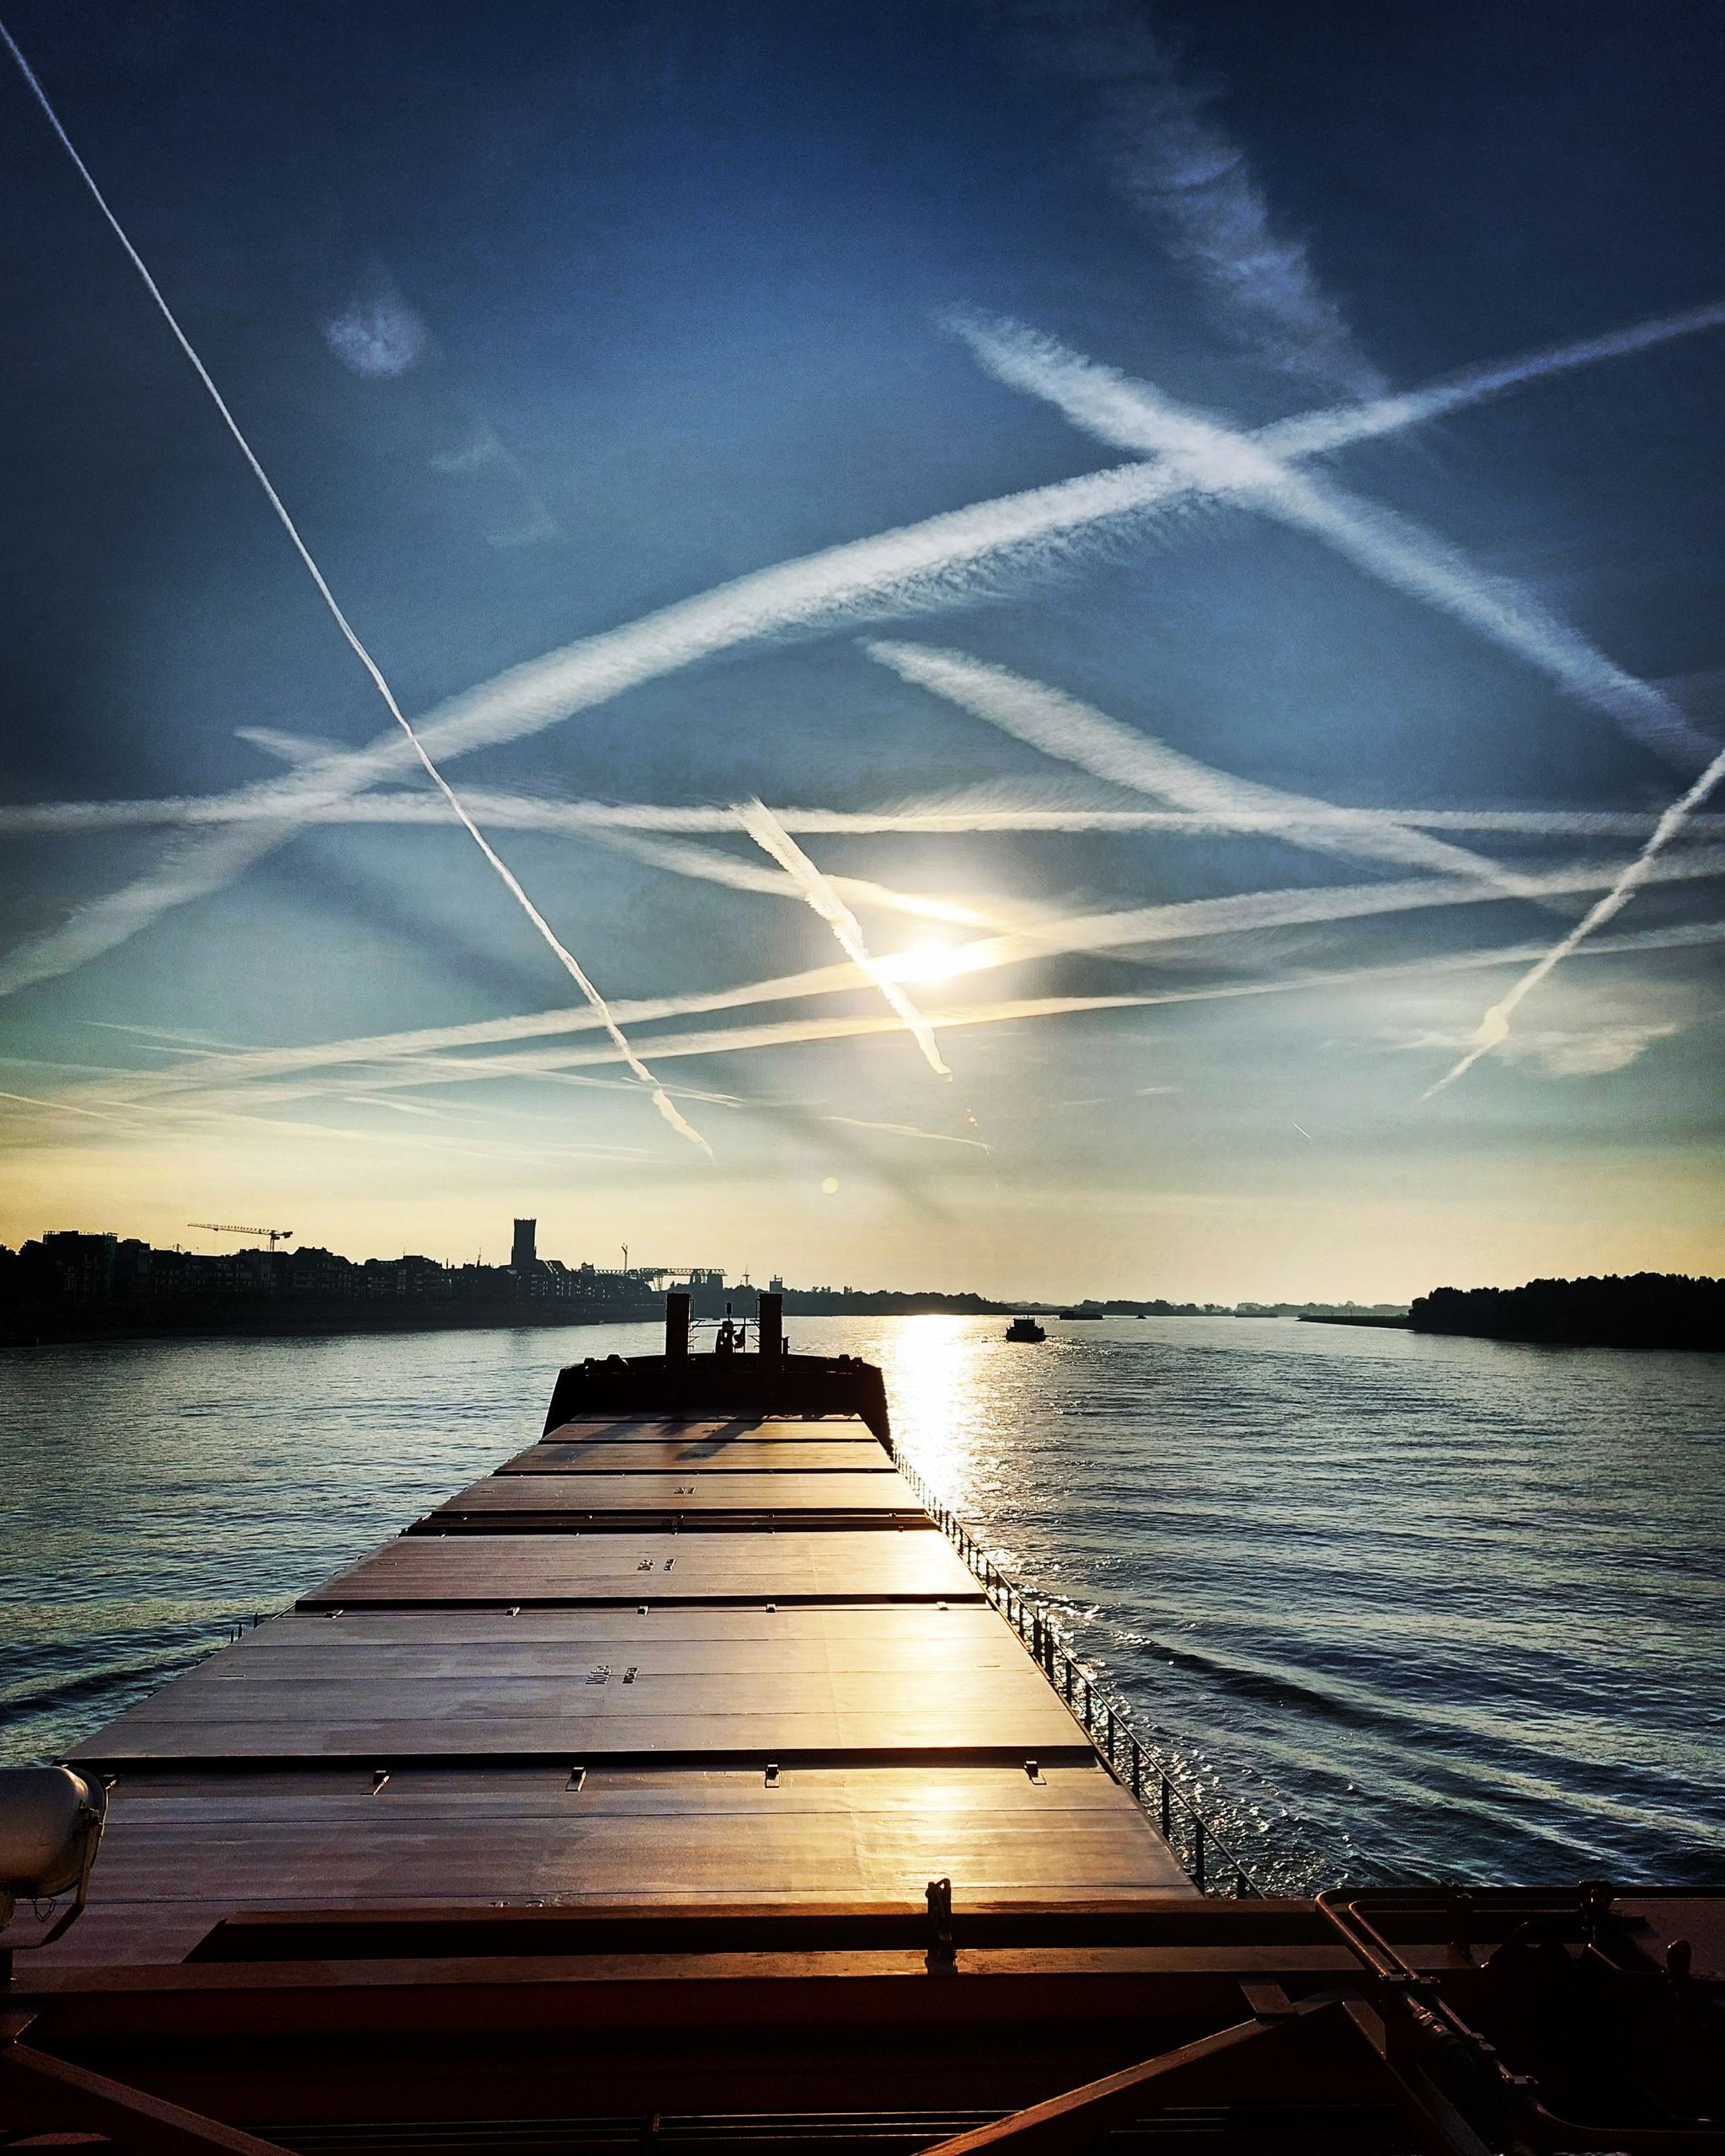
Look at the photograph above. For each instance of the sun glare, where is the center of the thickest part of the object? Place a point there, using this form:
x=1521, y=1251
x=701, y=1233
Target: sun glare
x=932, y=960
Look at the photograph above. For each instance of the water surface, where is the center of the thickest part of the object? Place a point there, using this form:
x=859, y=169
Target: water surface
x=1398, y=1606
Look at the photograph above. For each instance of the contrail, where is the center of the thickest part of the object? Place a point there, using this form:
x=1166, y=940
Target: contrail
x=772, y=838
x=927, y=565
x=511, y=883
x=1199, y=917
x=1141, y=928
x=978, y=814
x=189, y=1118
x=1255, y=468
x=66, y=1107
x=1693, y=934
x=1075, y=733
x=1319, y=432
x=703, y=864
x=907, y=1130
x=706, y=866
x=1494, y=1027
x=805, y=1032
x=1158, y=139
x=800, y=1031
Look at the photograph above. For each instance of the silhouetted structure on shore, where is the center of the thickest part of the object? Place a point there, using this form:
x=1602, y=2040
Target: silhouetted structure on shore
x=72, y=1285
x=1639, y=1309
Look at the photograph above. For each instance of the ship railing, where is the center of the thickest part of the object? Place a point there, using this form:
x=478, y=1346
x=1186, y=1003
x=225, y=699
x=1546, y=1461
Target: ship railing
x=1212, y=1867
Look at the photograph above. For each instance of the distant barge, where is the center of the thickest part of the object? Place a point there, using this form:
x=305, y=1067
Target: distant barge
x=681, y=1784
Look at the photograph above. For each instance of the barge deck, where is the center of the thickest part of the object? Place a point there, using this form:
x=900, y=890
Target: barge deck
x=638, y=1662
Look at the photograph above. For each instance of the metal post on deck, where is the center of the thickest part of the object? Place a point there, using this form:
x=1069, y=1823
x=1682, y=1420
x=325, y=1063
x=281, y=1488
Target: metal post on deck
x=1137, y=1772
x=1167, y=1805
x=676, y=1326
x=1198, y=1851
x=771, y=1321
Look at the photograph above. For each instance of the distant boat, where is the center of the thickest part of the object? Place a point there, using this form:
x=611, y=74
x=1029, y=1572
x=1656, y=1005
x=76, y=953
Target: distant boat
x=1025, y=1328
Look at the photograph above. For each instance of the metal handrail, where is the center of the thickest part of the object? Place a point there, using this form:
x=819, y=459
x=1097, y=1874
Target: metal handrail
x=1212, y=1865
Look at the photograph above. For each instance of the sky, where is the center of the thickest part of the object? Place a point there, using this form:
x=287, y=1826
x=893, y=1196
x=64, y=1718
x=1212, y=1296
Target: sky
x=1082, y=640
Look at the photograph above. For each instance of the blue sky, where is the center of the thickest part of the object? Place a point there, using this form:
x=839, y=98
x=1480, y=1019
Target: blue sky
x=546, y=326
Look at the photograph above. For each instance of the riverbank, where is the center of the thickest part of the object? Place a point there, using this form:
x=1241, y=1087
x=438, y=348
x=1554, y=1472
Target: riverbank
x=1638, y=1309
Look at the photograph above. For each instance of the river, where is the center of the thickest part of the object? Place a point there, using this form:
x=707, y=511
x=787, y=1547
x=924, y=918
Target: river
x=1397, y=1606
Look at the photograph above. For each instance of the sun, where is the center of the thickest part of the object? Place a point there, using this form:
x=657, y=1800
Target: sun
x=932, y=960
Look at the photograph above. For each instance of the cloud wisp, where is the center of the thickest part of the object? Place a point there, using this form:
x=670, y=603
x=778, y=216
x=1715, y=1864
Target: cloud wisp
x=758, y=820
x=956, y=556
x=377, y=333
x=1078, y=734
x=1254, y=468
x=1162, y=145
x=667, y=1108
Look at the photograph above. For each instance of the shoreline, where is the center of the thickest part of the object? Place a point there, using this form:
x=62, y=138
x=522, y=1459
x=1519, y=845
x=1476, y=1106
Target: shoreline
x=310, y=1320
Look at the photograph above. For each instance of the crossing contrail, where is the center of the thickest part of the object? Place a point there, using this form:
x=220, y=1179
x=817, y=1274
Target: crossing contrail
x=792, y=1033
x=1075, y=733
x=662, y=1100
x=772, y=838
x=800, y=1033
x=1136, y=929
x=705, y=864
x=981, y=811
x=946, y=559
x=1255, y=468
x=1126, y=413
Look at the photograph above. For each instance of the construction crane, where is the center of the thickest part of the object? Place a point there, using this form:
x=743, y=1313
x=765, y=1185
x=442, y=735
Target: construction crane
x=225, y=1228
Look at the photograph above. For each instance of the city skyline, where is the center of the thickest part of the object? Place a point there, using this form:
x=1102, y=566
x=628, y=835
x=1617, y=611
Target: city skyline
x=1097, y=675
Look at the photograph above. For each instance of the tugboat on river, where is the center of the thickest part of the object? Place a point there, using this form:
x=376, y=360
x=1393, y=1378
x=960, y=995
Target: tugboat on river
x=1025, y=1328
